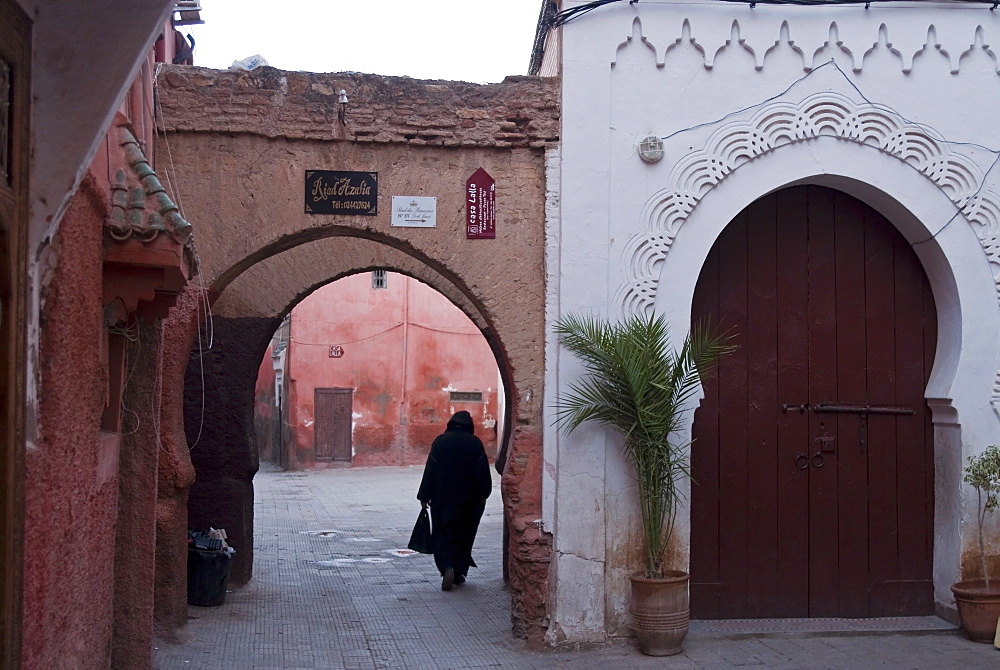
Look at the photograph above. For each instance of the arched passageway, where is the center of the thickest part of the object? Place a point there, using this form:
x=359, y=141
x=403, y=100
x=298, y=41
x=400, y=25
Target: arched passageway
x=222, y=372
x=262, y=253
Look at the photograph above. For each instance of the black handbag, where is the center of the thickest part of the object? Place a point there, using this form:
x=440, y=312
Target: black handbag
x=420, y=538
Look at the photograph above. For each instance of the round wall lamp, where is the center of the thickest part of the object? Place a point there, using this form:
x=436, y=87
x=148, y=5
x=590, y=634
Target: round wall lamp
x=651, y=149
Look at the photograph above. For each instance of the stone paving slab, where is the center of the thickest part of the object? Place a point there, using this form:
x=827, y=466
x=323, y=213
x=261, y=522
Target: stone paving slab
x=823, y=626
x=335, y=588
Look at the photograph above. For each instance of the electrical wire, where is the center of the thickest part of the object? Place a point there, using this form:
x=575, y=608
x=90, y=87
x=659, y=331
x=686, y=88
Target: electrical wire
x=131, y=355
x=203, y=313
x=866, y=3
x=832, y=63
x=380, y=333
x=573, y=13
x=878, y=106
x=567, y=15
x=958, y=211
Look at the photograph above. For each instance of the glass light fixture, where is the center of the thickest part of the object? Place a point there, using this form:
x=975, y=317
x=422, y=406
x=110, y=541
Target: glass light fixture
x=651, y=149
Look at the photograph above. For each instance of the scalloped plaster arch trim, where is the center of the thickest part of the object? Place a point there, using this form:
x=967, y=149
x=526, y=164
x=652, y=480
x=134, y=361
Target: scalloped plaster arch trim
x=782, y=123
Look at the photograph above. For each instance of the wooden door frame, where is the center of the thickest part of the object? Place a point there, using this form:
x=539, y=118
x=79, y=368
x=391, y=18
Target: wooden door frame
x=15, y=49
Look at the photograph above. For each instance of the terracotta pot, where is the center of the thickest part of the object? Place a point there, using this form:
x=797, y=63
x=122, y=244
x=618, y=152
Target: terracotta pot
x=660, y=612
x=978, y=608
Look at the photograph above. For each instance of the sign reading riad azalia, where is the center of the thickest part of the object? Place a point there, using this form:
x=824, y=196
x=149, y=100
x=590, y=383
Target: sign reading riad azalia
x=338, y=192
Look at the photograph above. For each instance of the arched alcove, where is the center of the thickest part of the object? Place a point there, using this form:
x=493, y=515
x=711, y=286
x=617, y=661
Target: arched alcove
x=952, y=257
x=812, y=463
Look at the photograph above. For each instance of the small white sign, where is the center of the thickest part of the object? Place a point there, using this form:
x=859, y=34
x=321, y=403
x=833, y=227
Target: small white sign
x=414, y=211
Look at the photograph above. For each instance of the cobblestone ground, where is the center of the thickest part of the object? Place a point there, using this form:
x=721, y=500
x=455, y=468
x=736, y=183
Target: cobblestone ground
x=334, y=587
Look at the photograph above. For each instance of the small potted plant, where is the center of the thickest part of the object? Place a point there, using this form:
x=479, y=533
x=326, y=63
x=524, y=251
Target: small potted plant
x=978, y=600
x=637, y=385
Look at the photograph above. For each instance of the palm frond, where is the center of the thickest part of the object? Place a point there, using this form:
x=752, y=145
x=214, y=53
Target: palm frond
x=637, y=385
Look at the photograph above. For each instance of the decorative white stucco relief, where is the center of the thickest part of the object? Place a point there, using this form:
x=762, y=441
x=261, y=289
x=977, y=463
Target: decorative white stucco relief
x=781, y=123
x=866, y=40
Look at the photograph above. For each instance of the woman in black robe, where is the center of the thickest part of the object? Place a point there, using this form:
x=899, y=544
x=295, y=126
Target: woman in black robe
x=456, y=484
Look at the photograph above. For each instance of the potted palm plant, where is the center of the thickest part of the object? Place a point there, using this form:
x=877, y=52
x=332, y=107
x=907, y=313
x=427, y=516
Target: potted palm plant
x=639, y=386
x=978, y=600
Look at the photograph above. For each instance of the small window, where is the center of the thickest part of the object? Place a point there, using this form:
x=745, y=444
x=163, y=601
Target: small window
x=380, y=279
x=466, y=396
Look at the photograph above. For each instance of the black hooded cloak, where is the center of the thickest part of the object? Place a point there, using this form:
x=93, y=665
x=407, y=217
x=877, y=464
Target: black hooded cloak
x=456, y=484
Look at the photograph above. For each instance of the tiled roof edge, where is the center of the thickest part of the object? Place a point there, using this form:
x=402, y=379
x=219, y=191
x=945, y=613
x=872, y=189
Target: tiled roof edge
x=126, y=218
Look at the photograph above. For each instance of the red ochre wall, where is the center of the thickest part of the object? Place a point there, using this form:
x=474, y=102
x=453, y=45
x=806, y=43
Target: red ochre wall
x=266, y=410
x=71, y=500
x=86, y=603
x=405, y=348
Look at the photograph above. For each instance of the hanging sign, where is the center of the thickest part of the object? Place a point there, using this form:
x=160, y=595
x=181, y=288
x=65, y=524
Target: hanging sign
x=414, y=211
x=338, y=192
x=480, y=212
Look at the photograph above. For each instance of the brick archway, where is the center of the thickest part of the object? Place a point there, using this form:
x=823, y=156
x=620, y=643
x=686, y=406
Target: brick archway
x=224, y=363
x=260, y=253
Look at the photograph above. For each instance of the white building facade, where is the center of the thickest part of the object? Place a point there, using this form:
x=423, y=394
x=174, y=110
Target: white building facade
x=889, y=108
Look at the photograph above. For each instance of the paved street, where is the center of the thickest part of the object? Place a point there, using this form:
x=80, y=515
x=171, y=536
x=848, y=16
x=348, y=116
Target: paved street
x=334, y=587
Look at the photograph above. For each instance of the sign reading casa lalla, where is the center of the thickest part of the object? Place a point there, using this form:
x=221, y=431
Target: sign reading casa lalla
x=480, y=206
x=414, y=211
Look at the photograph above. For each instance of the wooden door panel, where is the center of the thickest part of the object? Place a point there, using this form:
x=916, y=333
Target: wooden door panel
x=733, y=403
x=882, y=462
x=792, y=245
x=342, y=410
x=762, y=431
x=332, y=431
x=817, y=513
x=706, y=461
x=852, y=468
x=824, y=537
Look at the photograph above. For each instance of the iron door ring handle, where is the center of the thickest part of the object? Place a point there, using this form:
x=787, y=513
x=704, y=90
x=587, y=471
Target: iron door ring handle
x=801, y=461
x=818, y=460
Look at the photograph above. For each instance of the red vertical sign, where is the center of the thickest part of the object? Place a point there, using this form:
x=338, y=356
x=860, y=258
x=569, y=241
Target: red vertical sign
x=480, y=212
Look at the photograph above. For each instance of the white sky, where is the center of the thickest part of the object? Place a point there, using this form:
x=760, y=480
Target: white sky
x=469, y=40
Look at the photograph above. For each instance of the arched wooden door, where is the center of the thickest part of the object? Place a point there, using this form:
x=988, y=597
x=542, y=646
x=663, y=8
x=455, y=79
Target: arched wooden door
x=813, y=469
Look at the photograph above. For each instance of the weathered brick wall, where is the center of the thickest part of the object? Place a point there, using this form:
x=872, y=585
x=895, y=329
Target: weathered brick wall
x=519, y=112
x=240, y=143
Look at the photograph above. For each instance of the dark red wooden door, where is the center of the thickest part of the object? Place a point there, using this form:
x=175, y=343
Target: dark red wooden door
x=812, y=467
x=334, y=408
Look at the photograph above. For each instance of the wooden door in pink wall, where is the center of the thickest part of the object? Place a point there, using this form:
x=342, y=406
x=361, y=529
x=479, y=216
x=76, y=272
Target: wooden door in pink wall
x=334, y=408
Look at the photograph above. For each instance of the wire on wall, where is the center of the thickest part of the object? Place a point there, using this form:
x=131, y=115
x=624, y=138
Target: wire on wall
x=573, y=13
x=885, y=108
x=204, y=311
x=132, y=335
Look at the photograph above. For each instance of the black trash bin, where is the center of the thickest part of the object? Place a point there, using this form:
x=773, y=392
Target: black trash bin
x=208, y=576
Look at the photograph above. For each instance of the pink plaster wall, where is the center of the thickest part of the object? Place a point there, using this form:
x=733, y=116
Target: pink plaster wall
x=71, y=492
x=73, y=475
x=265, y=409
x=405, y=347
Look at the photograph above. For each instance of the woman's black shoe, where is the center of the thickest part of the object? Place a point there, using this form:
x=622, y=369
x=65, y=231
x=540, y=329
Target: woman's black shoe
x=448, y=580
